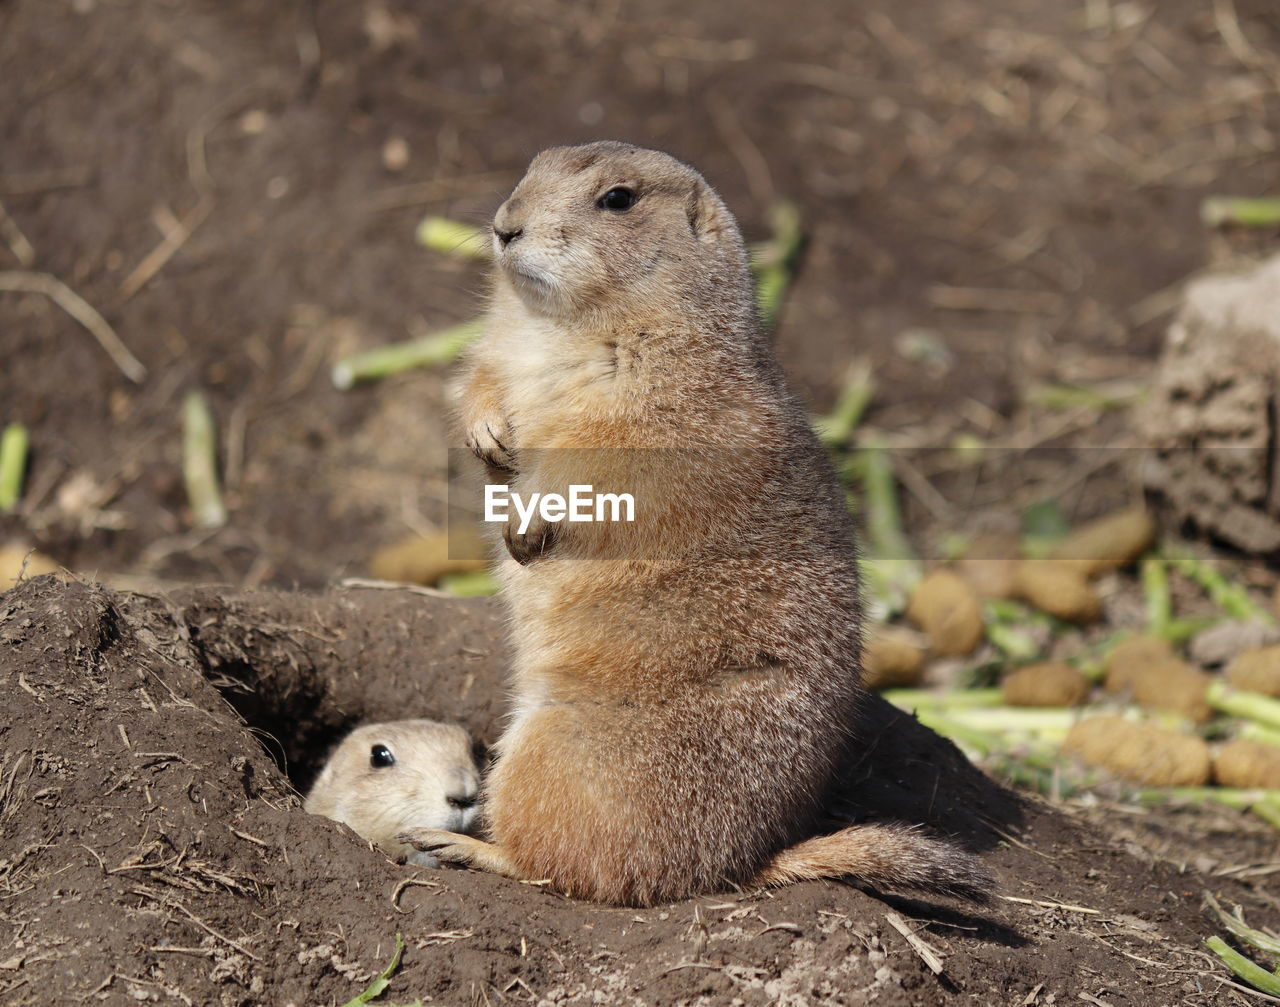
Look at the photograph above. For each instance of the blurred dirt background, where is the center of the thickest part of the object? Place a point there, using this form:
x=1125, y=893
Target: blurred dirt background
x=1000, y=198
x=1001, y=203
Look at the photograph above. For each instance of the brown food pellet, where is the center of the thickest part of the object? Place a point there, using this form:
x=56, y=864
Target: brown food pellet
x=418, y=560
x=1059, y=589
x=1139, y=752
x=991, y=565
x=1109, y=542
x=1172, y=685
x=1052, y=684
x=1248, y=764
x=1257, y=671
x=949, y=612
x=891, y=659
x=1131, y=655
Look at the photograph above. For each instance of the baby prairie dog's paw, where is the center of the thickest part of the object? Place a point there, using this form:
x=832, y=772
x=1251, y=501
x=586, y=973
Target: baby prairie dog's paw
x=491, y=438
x=420, y=859
x=435, y=845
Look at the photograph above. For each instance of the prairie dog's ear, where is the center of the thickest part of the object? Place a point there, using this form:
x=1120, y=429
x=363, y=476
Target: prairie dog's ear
x=708, y=216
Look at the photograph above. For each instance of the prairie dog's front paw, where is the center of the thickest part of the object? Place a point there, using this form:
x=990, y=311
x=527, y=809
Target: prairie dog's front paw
x=438, y=844
x=491, y=438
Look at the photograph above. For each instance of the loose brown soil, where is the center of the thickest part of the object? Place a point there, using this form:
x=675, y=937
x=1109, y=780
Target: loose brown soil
x=153, y=849
x=997, y=195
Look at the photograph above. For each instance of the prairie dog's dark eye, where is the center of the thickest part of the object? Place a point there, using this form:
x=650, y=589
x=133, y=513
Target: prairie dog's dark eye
x=461, y=802
x=380, y=757
x=617, y=199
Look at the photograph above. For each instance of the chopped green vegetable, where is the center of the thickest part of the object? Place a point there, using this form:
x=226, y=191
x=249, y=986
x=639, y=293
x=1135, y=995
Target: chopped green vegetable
x=1155, y=586
x=470, y=584
x=1242, y=211
x=200, y=463
x=889, y=568
x=377, y=987
x=1237, y=926
x=1255, y=975
x=453, y=237
x=437, y=348
x=838, y=426
x=1249, y=705
x=1232, y=598
x=13, y=466
x=774, y=261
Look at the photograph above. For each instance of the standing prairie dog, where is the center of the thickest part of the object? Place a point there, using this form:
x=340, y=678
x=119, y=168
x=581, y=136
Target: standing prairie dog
x=684, y=686
x=385, y=778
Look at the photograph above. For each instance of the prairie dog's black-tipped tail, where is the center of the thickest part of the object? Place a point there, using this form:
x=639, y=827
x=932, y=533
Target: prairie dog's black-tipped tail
x=890, y=856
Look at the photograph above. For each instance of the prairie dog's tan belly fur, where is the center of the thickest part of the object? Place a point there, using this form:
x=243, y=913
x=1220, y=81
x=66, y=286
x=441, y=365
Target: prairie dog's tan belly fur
x=578, y=775
x=684, y=685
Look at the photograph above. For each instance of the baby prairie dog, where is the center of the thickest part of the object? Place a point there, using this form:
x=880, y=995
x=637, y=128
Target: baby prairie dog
x=385, y=778
x=684, y=685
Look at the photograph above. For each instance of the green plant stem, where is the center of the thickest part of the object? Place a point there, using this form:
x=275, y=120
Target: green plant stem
x=1255, y=975
x=1230, y=797
x=437, y=348
x=999, y=728
x=1017, y=644
x=453, y=237
x=885, y=537
x=773, y=261
x=838, y=426
x=1241, y=930
x=13, y=466
x=470, y=584
x=1269, y=811
x=957, y=699
x=1231, y=598
x=1249, y=705
x=890, y=568
x=200, y=463
x=1155, y=587
x=1243, y=211
x=1179, y=631
x=982, y=742
x=1253, y=731
x=376, y=987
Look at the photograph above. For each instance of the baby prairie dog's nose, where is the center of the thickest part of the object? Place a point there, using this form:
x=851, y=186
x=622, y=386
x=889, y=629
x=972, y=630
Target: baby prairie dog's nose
x=505, y=237
x=508, y=222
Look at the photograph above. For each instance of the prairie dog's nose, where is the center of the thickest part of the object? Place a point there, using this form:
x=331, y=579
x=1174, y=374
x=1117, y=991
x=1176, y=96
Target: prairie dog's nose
x=505, y=237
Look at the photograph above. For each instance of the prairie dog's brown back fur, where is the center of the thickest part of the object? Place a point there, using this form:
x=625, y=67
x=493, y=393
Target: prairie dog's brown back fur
x=683, y=686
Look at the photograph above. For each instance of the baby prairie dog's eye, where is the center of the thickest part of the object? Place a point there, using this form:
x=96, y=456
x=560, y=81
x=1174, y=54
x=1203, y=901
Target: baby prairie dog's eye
x=461, y=802
x=380, y=757
x=617, y=199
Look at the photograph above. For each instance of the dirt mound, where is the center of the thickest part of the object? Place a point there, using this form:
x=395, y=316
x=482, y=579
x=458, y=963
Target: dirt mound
x=154, y=849
x=1211, y=415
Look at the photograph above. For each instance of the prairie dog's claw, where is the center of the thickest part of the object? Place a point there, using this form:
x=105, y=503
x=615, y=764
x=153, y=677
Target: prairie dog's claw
x=446, y=846
x=490, y=440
